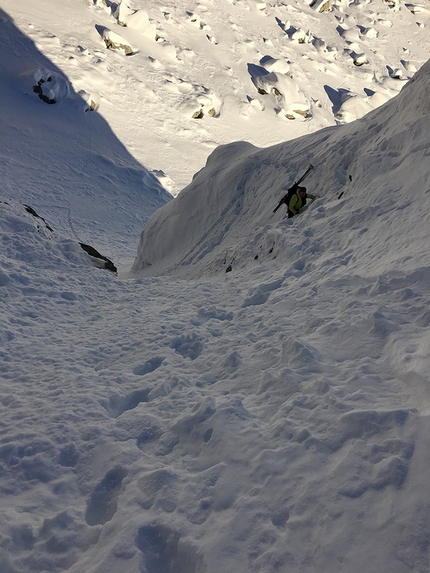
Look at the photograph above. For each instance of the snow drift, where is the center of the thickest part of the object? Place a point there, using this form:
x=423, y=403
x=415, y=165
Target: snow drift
x=224, y=217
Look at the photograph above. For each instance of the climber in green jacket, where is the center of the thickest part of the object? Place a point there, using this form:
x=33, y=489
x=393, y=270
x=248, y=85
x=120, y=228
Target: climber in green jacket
x=298, y=200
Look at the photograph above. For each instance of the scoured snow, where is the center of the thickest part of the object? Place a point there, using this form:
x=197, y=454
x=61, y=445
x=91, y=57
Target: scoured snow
x=270, y=418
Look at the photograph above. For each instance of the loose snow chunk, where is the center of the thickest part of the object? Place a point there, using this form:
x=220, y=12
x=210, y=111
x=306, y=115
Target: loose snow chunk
x=370, y=33
x=141, y=21
x=330, y=52
x=355, y=106
x=352, y=108
x=300, y=36
x=122, y=13
x=274, y=65
x=114, y=41
x=92, y=101
x=359, y=59
x=198, y=105
x=395, y=73
x=297, y=34
x=349, y=34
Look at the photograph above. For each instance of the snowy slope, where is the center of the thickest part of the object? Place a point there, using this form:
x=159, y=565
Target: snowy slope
x=65, y=161
x=275, y=418
x=270, y=419
x=224, y=218
x=262, y=72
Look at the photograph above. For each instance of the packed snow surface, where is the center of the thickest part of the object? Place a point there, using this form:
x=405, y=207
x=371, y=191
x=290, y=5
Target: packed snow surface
x=250, y=393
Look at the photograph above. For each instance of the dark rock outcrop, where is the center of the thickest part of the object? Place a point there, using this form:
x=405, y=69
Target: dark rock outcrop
x=108, y=264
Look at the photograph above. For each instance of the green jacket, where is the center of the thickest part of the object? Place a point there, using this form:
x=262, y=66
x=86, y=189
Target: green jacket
x=296, y=202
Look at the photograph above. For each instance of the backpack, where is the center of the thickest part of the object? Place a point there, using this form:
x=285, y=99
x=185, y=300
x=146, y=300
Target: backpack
x=289, y=194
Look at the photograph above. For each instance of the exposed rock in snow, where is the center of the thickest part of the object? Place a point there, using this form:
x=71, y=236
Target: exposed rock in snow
x=114, y=41
x=105, y=262
x=284, y=90
x=123, y=12
x=321, y=5
x=51, y=87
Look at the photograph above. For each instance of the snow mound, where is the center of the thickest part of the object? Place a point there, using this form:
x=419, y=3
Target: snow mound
x=224, y=220
x=51, y=86
x=115, y=41
x=283, y=89
x=141, y=21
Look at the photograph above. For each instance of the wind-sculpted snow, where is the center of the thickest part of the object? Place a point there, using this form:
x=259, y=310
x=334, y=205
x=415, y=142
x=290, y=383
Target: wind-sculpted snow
x=225, y=216
x=193, y=76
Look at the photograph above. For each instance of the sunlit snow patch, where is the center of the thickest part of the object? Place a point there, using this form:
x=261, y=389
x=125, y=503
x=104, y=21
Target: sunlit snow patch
x=141, y=21
x=198, y=105
x=355, y=106
x=283, y=89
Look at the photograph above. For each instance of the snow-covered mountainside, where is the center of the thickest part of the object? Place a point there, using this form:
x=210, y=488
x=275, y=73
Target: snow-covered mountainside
x=176, y=79
x=271, y=419
x=65, y=161
x=224, y=219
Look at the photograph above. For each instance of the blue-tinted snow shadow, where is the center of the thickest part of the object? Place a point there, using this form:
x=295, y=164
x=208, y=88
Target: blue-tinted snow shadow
x=337, y=97
x=61, y=158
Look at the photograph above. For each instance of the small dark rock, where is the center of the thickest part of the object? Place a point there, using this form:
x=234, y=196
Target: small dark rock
x=94, y=253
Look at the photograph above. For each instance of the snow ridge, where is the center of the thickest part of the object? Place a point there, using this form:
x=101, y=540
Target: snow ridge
x=227, y=209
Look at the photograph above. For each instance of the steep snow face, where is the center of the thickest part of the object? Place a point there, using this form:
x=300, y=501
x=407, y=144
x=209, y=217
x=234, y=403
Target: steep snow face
x=277, y=420
x=224, y=219
x=64, y=159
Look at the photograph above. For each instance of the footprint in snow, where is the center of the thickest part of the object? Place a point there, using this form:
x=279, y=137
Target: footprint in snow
x=164, y=551
x=102, y=504
x=149, y=366
x=215, y=313
x=117, y=405
x=188, y=346
x=260, y=294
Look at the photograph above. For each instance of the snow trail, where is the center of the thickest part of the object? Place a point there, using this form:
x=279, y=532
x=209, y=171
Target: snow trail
x=273, y=417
